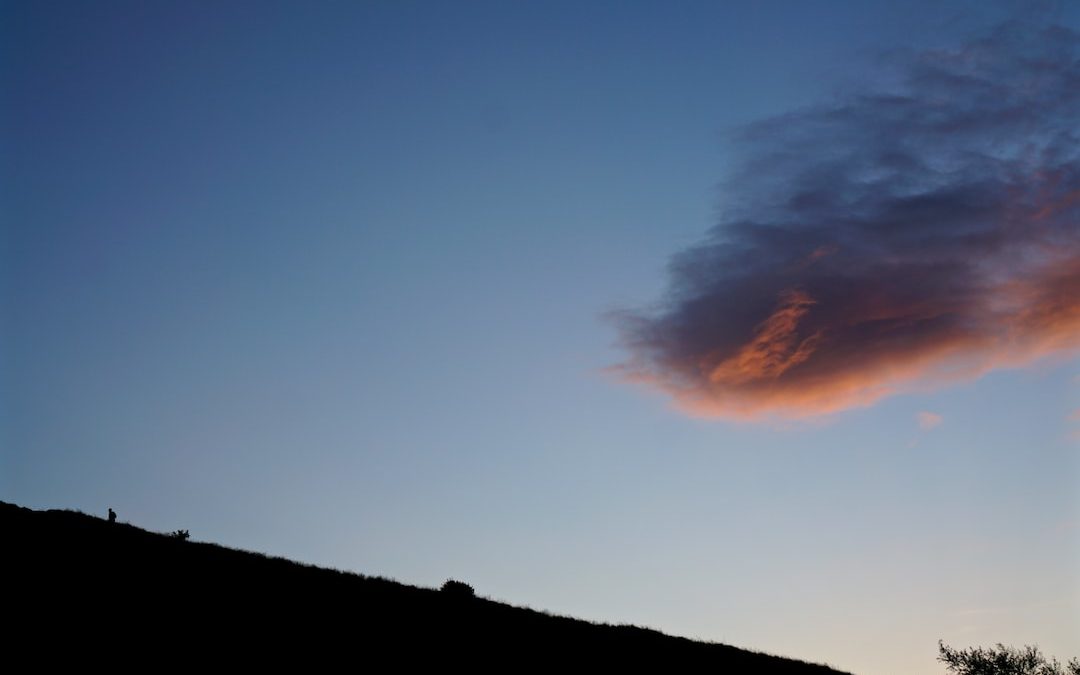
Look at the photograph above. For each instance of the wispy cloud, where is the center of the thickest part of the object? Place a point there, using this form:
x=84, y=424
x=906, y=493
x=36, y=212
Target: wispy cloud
x=892, y=241
x=929, y=420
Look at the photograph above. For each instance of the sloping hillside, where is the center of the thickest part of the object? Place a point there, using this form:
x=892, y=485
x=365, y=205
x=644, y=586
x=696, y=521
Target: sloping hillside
x=84, y=589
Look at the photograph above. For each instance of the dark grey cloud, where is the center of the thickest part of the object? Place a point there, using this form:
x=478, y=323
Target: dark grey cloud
x=893, y=240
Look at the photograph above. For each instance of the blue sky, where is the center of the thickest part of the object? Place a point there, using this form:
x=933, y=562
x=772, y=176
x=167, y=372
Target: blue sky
x=334, y=282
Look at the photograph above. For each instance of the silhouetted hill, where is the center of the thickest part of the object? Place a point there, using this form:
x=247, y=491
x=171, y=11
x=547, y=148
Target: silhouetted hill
x=83, y=590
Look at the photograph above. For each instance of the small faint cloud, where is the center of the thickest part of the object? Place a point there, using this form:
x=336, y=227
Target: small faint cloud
x=978, y=612
x=1073, y=417
x=928, y=420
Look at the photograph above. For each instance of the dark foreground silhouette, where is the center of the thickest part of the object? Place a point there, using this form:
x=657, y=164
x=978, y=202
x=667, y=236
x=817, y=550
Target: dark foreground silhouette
x=83, y=590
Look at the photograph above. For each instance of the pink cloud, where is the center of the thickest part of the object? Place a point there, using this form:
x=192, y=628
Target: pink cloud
x=929, y=420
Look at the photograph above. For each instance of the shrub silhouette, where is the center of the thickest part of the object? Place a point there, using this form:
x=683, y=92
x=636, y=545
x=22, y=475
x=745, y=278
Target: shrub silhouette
x=1002, y=660
x=182, y=535
x=458, y=589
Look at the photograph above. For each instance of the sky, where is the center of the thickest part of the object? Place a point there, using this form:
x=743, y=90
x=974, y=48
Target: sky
x=751, y=321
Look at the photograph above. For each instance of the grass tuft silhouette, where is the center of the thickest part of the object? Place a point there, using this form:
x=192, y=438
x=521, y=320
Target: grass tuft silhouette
x=458, y=589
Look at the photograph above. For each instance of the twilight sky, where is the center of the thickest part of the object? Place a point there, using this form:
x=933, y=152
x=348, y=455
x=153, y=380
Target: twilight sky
x=749, y=321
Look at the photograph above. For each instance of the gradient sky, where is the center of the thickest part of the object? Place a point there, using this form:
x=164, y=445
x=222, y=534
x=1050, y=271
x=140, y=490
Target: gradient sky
x=359, y=284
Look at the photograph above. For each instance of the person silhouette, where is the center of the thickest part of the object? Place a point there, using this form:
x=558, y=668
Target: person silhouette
x=112, y=516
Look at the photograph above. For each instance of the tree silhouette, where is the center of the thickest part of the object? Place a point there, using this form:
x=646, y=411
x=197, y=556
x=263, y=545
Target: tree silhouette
x=1002, y=660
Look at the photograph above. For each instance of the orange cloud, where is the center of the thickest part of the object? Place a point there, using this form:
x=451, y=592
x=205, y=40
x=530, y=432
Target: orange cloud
x=793, y=367
x=775, y=349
